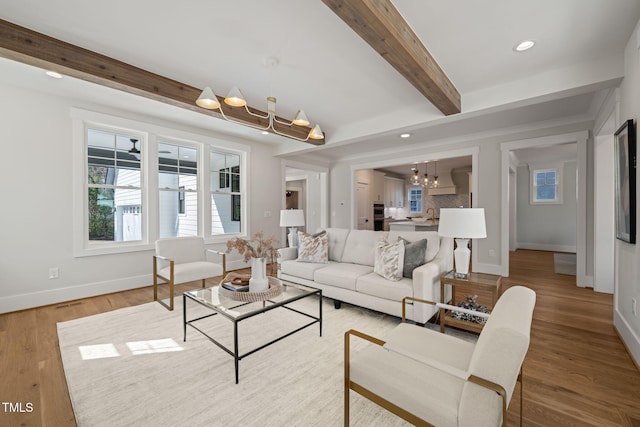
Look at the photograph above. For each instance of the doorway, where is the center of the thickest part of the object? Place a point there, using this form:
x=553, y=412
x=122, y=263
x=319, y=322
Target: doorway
x=578, y=221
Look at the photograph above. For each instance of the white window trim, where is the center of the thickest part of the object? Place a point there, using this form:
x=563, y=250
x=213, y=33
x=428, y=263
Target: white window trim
x=151, y=133
x=533, y=168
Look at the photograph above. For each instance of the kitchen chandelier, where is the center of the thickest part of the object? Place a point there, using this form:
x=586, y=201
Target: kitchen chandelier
x=415, y=179
x=424, y=182
x=235, y=98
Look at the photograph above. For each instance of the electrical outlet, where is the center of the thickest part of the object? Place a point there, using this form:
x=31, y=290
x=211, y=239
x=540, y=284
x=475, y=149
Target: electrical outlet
x=54, y=273
x=267, y=214
x=634, y=307
x=492, y=252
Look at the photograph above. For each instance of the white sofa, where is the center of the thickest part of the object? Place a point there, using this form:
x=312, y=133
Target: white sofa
x=349, y=276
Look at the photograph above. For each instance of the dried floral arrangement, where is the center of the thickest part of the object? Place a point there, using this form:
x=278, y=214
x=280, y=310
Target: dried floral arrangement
x=258, y=247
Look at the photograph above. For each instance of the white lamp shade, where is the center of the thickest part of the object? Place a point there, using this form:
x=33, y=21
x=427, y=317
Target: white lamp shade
x=316, y=133
x=208, y=99
x=467, y=223
x=301, y=119
x=291, y=218
x=235, y=98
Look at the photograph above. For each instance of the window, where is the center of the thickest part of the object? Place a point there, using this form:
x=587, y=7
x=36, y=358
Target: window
x=178, y=190
x=135, y=182
x=415, y=200
x=545, y=185
x=114, y=187
x=226, y=206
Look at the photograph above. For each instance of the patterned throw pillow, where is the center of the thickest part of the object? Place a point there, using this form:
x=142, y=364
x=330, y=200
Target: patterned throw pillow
x=313, y=248
x=389, y=260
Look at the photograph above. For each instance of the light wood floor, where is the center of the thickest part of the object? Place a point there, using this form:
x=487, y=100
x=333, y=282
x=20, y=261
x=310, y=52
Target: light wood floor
x=577, y=371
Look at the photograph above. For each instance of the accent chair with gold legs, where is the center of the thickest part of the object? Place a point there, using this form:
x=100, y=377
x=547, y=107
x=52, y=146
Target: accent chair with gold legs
x=184, y=259
x=433, y=379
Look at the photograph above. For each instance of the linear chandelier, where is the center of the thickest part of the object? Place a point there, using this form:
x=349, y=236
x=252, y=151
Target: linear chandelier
x=235, y=98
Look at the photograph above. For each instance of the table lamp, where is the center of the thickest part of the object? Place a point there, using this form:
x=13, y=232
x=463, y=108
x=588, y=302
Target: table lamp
x=292, y=218
x=462, y=224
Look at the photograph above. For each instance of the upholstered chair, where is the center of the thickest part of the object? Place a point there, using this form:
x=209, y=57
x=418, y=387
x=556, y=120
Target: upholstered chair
x=184, y=259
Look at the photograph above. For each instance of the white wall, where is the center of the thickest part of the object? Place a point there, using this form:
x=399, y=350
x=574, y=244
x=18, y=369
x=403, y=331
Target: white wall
x=547, y=227
x=36, y=212
x=627, y=256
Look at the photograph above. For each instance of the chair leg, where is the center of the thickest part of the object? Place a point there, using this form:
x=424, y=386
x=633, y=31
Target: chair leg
x=347, y=378
x=171, y=289
x=155, y=279
x=521, y=392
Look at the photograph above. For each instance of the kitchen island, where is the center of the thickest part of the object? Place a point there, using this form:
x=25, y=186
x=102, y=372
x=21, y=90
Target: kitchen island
x=414, y=226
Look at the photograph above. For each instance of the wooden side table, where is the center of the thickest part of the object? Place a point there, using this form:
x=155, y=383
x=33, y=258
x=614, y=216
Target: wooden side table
x=479, y=281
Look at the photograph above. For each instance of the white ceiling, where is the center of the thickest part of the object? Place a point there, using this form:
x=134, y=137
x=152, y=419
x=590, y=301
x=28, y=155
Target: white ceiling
x=359, y=100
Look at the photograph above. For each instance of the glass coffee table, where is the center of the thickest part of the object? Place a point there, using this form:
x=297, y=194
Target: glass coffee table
x=237, y=311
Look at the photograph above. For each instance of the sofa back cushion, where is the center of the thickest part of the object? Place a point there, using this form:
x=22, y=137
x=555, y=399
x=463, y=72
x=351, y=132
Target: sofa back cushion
x=337, y=238
x=360, y=246
x=498, y=356
x=181, y=249
x=433, y=240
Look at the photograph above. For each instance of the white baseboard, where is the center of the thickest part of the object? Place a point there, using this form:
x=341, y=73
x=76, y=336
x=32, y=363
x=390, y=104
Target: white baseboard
x=547, y=247
x=237, y=264
x=628, y=335
x=54, y=296
x=488, y=268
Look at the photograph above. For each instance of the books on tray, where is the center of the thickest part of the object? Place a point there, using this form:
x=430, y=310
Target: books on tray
x=236, y=288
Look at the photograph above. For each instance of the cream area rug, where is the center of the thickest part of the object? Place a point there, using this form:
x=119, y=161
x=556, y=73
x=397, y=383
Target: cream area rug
x=130, y=367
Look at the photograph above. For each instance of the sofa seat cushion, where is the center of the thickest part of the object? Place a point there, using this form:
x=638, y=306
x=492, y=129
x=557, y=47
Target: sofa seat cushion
x=191, y=271
x=342, y=275
x=304, y=270
x=418, y=388
x=376, y=285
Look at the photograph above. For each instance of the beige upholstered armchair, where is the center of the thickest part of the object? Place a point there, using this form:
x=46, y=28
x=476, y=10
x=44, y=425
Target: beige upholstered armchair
x=181, y=260
x=433, y=379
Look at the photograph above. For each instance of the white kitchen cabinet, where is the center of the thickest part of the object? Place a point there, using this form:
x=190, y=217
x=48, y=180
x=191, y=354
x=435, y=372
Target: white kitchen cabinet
x=394, y=192
x=378, y=188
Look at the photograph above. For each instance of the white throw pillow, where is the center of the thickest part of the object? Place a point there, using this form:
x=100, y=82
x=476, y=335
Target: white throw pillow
x=389, y=260
x=313, y=248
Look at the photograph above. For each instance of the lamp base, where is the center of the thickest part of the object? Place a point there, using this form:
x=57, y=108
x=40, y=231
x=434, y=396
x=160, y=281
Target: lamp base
x=462, y=256
x=293, y=237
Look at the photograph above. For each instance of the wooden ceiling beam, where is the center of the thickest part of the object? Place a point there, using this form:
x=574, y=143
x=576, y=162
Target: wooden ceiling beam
x=33, y=48
x=380, y=24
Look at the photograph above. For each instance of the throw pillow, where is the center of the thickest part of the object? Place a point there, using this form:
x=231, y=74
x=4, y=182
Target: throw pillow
x=313, y=249
x=389, y=260
x=414, y=253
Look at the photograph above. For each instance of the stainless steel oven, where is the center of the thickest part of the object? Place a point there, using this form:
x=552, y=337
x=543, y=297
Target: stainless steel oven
x=378, y=216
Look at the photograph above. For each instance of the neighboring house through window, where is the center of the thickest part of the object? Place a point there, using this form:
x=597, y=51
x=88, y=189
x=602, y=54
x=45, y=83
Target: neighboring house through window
x=114, y=187
x=125, y=199
x=178, y=178
x=226, y=196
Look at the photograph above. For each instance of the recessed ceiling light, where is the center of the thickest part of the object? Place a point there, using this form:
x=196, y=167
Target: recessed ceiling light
x=53, y=74
x=524, y=45
x=264, y=132
x=405, y=135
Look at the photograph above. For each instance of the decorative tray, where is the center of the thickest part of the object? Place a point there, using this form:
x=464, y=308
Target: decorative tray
x=275, y=289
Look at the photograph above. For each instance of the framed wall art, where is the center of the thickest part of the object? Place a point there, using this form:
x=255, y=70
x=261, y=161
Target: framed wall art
x=625, y=182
